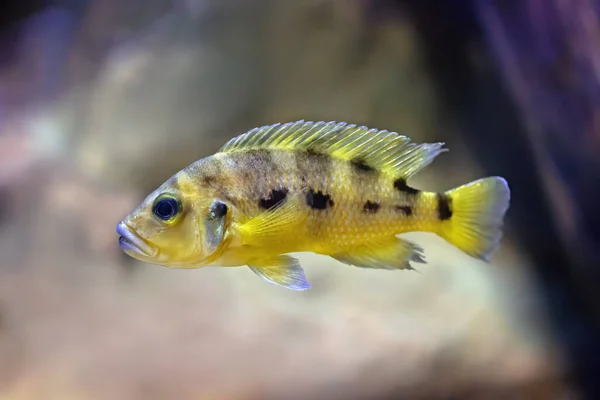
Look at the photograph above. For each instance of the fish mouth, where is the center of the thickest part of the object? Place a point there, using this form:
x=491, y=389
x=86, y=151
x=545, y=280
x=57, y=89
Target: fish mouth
x=130, y=242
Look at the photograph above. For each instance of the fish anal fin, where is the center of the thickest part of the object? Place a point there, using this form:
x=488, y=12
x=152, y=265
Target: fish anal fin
x=270, y=225
x=284, y=271
x=391, y=254
x=379, y=149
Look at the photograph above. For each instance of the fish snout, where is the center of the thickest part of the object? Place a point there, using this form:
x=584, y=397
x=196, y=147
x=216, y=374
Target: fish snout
x=130, y=242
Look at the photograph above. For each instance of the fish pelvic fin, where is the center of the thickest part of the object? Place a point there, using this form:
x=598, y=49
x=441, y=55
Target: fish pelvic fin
x=284, y=271
x=394, y=253
x=370, y=148
x=472, y=216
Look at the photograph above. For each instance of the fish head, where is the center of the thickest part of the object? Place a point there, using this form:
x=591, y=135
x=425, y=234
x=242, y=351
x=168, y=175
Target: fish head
x=179, y=225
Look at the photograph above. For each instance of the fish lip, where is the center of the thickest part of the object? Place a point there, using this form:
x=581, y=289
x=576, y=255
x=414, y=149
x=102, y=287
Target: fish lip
x=130, y=241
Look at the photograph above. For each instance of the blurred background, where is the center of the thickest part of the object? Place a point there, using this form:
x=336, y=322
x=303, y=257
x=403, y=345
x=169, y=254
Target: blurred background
x=103, y=100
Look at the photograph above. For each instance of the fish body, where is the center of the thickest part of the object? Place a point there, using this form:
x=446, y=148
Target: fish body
x=330, y=188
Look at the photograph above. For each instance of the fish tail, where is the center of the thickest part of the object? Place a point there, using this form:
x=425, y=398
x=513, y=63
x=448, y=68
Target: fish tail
x=472, y=215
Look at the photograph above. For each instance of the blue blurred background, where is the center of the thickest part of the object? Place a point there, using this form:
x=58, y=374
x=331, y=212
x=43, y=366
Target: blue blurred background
x=102, y=100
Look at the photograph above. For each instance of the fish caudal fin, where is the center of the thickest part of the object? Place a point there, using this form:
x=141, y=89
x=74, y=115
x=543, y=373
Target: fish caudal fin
x=472, y=215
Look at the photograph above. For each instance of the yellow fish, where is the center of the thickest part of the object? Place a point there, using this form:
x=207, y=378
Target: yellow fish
x=330, y=188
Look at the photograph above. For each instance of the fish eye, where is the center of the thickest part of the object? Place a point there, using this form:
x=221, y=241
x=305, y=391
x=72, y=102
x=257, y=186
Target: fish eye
x=166, y=207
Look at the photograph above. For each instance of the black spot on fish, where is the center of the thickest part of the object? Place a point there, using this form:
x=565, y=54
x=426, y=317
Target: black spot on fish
x=400, y=184
x=318, y=200
x=406, y=210
x=218, y=209
x=361, y=165
x=274, y=197
x=371, y=207
x=444, y=206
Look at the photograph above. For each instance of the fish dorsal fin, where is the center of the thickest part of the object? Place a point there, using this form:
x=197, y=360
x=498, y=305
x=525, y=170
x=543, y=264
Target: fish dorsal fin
x=373, y=148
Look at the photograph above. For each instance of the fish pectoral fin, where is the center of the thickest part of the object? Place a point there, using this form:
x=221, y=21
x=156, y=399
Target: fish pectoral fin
x=283, y=271
x=395, y=253
x=274, y=224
